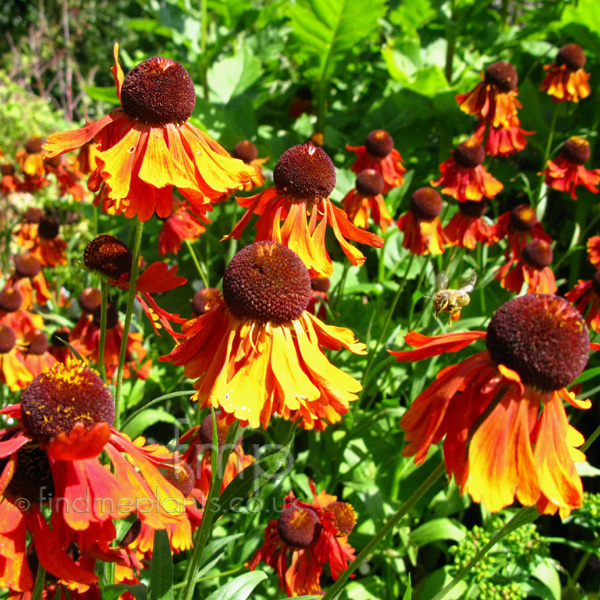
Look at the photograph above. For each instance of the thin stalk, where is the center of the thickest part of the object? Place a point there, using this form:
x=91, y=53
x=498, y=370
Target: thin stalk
x=103, y=307
x=197, y=263
x=203, y=36
x=208, y=515
x=135, y=269
x=450, y=41
x=523, y=516
x=340, y=289
x=373, y=354
x=549, y=142
x=40, y=580
x=337, y=587
x=156, y=401
x=419, y=282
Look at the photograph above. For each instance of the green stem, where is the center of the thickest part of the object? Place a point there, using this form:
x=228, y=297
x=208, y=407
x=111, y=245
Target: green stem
x=203, y=36
x=419, y=282
x=340, y=290
x=523, y=516
x=336, y=588
x=321, y=105
x=103, y=307
x=375, y=351
x=40, y=580
x=219, y=461
x=540, y=190
x=155, y=401
x=135, y=269
x=197, y=263
x=450, y=41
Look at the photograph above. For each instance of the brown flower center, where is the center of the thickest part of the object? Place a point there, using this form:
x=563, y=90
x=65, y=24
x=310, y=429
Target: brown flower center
x=541, y=337
x=109, y=255
x=7, y=169
x=502, y=75
x=34, y=214
x=245, y=151
x=39, y=344
x=596, y=282
x=206, y=430
x=48, y=227
x=266, y=282
x=32, y=480
x=89, y=299
x=27, y=265
x=538, y=254
x=320, y=284
x=182, y=477
x=304, y=172
x=158, y=91
x=299, y=526
x=473, y=209
x=369, y=183
x=523, y=217
x=571, y=56
x=344, y=517
x=34, y=145
x=62, y=396
x=8, y=339
x=379, y=143
x=112, y=315
x=10, y=300
x=426, y=204
x=576, y=150
x=469, y=154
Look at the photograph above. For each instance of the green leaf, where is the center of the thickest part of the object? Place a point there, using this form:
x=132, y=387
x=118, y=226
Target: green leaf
x=408, y=592
x=239, y=588
x=547, y=574
x=104, y=94
x=145, y=419
x=252, y=478
x=582, y=21
x=161, y=571
x=328, y=29
x=232, y=76
x=426, y=81
x=112, y=592
x=437, y=529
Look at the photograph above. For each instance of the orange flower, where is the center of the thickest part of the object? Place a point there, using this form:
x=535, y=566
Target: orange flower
x=10, y=181
x=593, y=248
x=494, y=99
x=421, y=225
x=314, y=535
x=502, y=141
x=379, y=153
x=36, y=356
x=463, y=175
x=304, y=178
x=519, y=226
x=585, y=296
x=15, y=316
x=29, y=278
x=111, y=257
x=260, y=353
x=365, y=200
x=13, y=371
x=566, y=81
x=31, y=163
x=501, y=410
x=567, y=171
x=181, y=225
x=247, y=152
x=51, y=461
x=148, y=147
x=468, y=227
x=67, y=177
x=205, y=300
x=42, y=240
x=85, y=339
x=533, y=268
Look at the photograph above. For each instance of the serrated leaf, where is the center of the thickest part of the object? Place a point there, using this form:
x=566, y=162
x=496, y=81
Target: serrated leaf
x=327, y=29
x=161, y=571
x=240, y=588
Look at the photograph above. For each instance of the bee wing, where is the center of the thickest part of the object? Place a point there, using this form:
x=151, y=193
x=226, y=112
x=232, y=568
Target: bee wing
x=469, y=282
x=441, y=281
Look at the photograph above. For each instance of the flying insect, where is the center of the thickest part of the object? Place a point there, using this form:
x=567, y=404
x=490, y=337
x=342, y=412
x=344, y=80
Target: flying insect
x=452, y=301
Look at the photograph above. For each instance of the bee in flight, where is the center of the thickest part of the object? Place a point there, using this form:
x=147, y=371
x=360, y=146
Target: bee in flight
x=453, y=301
